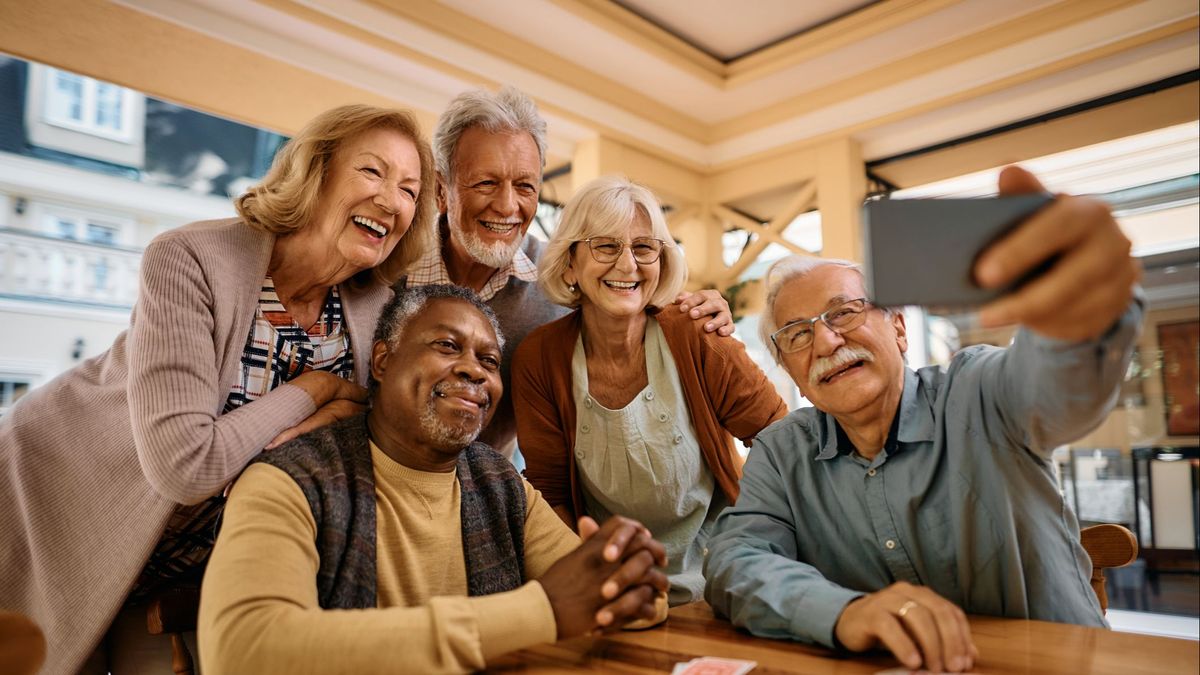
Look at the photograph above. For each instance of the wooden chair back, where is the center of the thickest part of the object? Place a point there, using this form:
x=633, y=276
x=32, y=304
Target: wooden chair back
x=22, y=644
x=1107, y=545
x=173, y=612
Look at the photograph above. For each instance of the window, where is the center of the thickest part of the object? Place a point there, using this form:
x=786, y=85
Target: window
x=11, y=389
x=104, y=235
x=79, y=227
x=88, y=105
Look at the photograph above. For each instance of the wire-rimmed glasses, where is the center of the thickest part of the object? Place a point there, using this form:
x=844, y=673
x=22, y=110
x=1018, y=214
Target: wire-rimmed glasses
x=646, y=250
x=798, y=335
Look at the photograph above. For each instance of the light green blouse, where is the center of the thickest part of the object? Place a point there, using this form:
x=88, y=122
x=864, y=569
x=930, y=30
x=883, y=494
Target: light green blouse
x=643, y=461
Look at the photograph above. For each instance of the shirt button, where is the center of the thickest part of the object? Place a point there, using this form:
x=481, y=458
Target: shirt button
x=587, y=402
x=585, y=428
x=678, y=439
x=663, y=417
x=649, y=396
x=870, y=472
x=889, y=544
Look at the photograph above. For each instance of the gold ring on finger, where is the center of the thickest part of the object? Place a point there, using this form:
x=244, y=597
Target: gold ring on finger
x=905, y=608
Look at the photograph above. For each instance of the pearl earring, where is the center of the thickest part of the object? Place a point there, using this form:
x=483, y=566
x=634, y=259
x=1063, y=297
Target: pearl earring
x=571, y=288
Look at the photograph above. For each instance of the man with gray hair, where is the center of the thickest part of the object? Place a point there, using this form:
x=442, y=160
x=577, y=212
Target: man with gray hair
x=490, y=150
x=393, y=541
x=904, y=498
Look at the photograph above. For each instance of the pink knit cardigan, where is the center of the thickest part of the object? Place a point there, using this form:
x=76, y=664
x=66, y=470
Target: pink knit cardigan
x=93, y=463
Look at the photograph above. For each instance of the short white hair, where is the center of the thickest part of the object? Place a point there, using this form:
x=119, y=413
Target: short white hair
x=778, y=275
x=507, y=111
x=604, y=207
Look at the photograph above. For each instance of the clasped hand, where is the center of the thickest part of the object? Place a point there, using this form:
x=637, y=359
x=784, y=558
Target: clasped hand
x=611, y=579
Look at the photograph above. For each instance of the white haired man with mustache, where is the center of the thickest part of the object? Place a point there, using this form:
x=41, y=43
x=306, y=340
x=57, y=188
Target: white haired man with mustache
x=905, y=498
x=392, y=541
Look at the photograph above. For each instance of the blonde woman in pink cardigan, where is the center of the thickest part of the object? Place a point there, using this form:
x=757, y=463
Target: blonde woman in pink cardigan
x=247, y=332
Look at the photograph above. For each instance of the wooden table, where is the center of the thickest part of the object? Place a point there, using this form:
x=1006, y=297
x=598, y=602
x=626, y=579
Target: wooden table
x=1005, y=646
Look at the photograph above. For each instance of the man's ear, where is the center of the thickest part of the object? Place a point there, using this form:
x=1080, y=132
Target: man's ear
x=897, y=320
x=379, y=356
x=441, y=193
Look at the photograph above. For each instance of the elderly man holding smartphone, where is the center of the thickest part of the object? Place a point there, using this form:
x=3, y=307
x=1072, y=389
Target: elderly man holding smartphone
x=906, y=498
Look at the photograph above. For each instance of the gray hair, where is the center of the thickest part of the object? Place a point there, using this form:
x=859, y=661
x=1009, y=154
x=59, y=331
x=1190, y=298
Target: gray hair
x=507, y=111
x=408, y=301
x=778, y=274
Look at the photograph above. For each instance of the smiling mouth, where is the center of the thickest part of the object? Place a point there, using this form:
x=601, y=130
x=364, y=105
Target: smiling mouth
x=844, y=369
x=498, y=228
x=623, y=285
x=372, y=227
x=464, y=394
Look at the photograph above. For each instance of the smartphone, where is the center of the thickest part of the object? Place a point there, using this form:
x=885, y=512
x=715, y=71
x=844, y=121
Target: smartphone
x=922, y=251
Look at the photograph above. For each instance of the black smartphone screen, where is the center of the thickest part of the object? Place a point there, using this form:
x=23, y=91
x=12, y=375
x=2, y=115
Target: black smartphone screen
x=921, y=251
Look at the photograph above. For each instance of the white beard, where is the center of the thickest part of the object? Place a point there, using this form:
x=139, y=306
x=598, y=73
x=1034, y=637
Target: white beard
x=496, y=255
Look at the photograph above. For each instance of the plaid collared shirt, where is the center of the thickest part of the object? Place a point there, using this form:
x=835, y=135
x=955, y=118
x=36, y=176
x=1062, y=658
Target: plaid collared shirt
x=277, y=350
x=430, y=269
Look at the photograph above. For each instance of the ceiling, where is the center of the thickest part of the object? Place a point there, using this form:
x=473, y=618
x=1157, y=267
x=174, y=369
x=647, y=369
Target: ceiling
x=897, y=75
x=728, y=30
x=707, y=85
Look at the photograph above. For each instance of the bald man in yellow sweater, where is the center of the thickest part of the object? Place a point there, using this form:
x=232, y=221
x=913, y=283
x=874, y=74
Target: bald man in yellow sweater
x=392, y=542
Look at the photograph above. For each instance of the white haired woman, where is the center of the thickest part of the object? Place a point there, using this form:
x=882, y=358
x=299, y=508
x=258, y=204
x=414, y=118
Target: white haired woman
x=247, y=332
x=623, y=409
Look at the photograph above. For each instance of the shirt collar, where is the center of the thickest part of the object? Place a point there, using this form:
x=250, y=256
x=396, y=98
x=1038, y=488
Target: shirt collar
x=430, y=268
x=916, y=419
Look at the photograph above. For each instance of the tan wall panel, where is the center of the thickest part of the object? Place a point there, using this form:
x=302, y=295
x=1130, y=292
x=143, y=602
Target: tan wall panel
x=125, y=46
x=768, y=173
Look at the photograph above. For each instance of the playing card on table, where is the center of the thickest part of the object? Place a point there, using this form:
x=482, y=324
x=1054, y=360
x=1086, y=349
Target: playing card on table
x=711, y=665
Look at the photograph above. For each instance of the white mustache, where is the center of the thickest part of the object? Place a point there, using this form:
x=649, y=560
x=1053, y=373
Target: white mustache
x=472, y=390
x=845, y=355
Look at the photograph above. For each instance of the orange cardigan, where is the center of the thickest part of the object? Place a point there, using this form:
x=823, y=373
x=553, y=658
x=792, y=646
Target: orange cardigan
x=725, y=393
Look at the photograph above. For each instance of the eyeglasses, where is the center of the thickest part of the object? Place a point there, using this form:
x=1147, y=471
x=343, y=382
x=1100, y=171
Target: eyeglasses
x=646, y=250
x=798, y=335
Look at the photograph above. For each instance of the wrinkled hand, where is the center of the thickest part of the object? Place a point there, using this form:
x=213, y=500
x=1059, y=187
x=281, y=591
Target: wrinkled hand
x=933, y=631
x=337, y=409
x=1087, y=288
x=708, y=303
x=610, y=580
x=323, y=387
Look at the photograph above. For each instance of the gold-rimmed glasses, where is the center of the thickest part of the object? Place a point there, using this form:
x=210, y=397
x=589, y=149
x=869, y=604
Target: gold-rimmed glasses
x=646, y=250
x=798, y=335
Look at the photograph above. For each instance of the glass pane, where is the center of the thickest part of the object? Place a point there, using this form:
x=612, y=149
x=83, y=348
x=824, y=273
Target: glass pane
x=65, y=228
x=64, y=100
x=100, y=275
x=108, y=106
x=101, y=234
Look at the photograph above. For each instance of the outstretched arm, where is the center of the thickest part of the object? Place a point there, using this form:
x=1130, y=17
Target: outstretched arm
x=1079, y=319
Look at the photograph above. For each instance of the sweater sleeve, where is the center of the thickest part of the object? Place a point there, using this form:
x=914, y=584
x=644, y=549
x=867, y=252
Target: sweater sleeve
x=547, y=537
x=745, y=400
x=541, y=432
x=186, y=449
x=259, y=610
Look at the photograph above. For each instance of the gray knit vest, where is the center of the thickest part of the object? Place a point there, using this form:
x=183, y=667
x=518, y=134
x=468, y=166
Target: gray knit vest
x=333, y=468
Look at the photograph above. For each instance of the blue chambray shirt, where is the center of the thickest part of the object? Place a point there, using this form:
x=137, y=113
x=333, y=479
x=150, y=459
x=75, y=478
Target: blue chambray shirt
x=962, y=499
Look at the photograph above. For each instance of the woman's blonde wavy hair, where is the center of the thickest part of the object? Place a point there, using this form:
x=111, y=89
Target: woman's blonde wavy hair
x=286, y=199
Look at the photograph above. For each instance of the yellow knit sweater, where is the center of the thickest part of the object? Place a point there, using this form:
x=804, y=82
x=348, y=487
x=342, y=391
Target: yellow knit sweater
x=259, y=611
